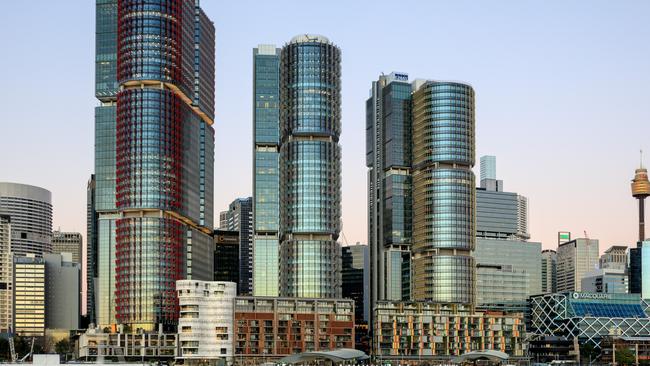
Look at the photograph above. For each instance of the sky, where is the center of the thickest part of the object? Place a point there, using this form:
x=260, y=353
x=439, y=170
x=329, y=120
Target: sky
x=561, y=96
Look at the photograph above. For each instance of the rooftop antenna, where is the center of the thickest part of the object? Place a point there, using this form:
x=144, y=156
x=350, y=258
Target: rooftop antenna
x=641, y=158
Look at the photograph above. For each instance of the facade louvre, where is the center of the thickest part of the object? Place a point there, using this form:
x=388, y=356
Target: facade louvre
x=164, y=148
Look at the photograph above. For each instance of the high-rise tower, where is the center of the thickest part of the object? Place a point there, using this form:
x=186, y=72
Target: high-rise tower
x=389, y=146
x=164, y=156
x=102, y=212
x=640, y=269
x=266, y=172
x=641, y=190
x=444, y=196
x=310, y=168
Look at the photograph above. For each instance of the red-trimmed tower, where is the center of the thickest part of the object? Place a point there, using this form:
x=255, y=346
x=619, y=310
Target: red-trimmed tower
x=164, y=156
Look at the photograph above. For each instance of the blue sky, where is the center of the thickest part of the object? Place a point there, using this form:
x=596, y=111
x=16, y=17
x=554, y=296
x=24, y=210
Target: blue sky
x=562, y=96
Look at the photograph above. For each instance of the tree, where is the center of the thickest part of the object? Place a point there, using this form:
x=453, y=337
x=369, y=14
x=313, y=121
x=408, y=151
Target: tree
x=63, y=347
x=5, y=354
x=625, y=356
x=588, y=353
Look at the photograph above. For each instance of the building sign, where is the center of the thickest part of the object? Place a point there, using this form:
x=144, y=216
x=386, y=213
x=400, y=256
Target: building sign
x=592, y=296
x=563, y=237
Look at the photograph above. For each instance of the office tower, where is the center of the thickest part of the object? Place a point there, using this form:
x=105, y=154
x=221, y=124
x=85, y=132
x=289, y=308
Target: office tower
x=310, y=168
x=575, y=259
x=549, y=271
x=522, y=217
x=102, y=212
x=30, y=209
x=239, y=218
x=614, y=257
x=640, y=268
x=443, y=193
x=164, y=157
x=606, y=280
x=266, y=172
x=499, y=214
x=67, y=242
x=226, y=256
x=63, y=291
x=489, y=174
x=355, y=261
x=488, y=167
x=90, y=253
x=416, y=185
x=205, y=328
x=563, y=237
x=507, y=273
x=389, y=147
x=6, y=276
x=29, y=296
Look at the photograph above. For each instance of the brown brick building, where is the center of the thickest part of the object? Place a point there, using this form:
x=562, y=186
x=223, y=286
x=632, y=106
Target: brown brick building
x=268, y=328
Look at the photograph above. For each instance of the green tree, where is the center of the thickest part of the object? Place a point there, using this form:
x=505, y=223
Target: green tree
x=625, y=356
x=63, y=347
x=588, y=353
x=5, y=354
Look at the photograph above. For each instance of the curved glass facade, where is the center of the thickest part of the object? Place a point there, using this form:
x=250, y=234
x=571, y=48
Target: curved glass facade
x=444, y=223
x=156, y=42
x=310, y=168
x=164, y=156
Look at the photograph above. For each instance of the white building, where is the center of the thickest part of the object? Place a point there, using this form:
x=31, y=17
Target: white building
x=205, y=325
x=6, y=276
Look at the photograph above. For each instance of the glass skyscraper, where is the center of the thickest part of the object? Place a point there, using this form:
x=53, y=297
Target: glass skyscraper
x=310, y=168
x=101, y=190
x=444, y=199
x=421, y=195
x=154, y=148
x=389, y=158
x=266, y=172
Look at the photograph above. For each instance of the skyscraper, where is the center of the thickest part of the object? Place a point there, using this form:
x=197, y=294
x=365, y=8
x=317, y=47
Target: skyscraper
x=420, y=213
x=499, y=214
x=68, y=242
x=239, y=218
x=164, y=156
x=90, y=253
x=62, y=291
x=575, y=259
x=444, y=200
x=29, y=296
x=102, y=212
x=310, y=168
x=30, y=209
x=389, y=147
x=266, y=172
x=549, y=271
x=6, y=276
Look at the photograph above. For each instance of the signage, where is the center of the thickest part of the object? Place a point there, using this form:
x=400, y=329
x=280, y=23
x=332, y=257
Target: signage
x=589, y=295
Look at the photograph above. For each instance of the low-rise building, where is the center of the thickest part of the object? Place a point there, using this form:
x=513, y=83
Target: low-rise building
x=94, y=345
x=639, y=346
x=439, y=332
x=589, y=316
x=268, y=328
x=205, y=325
